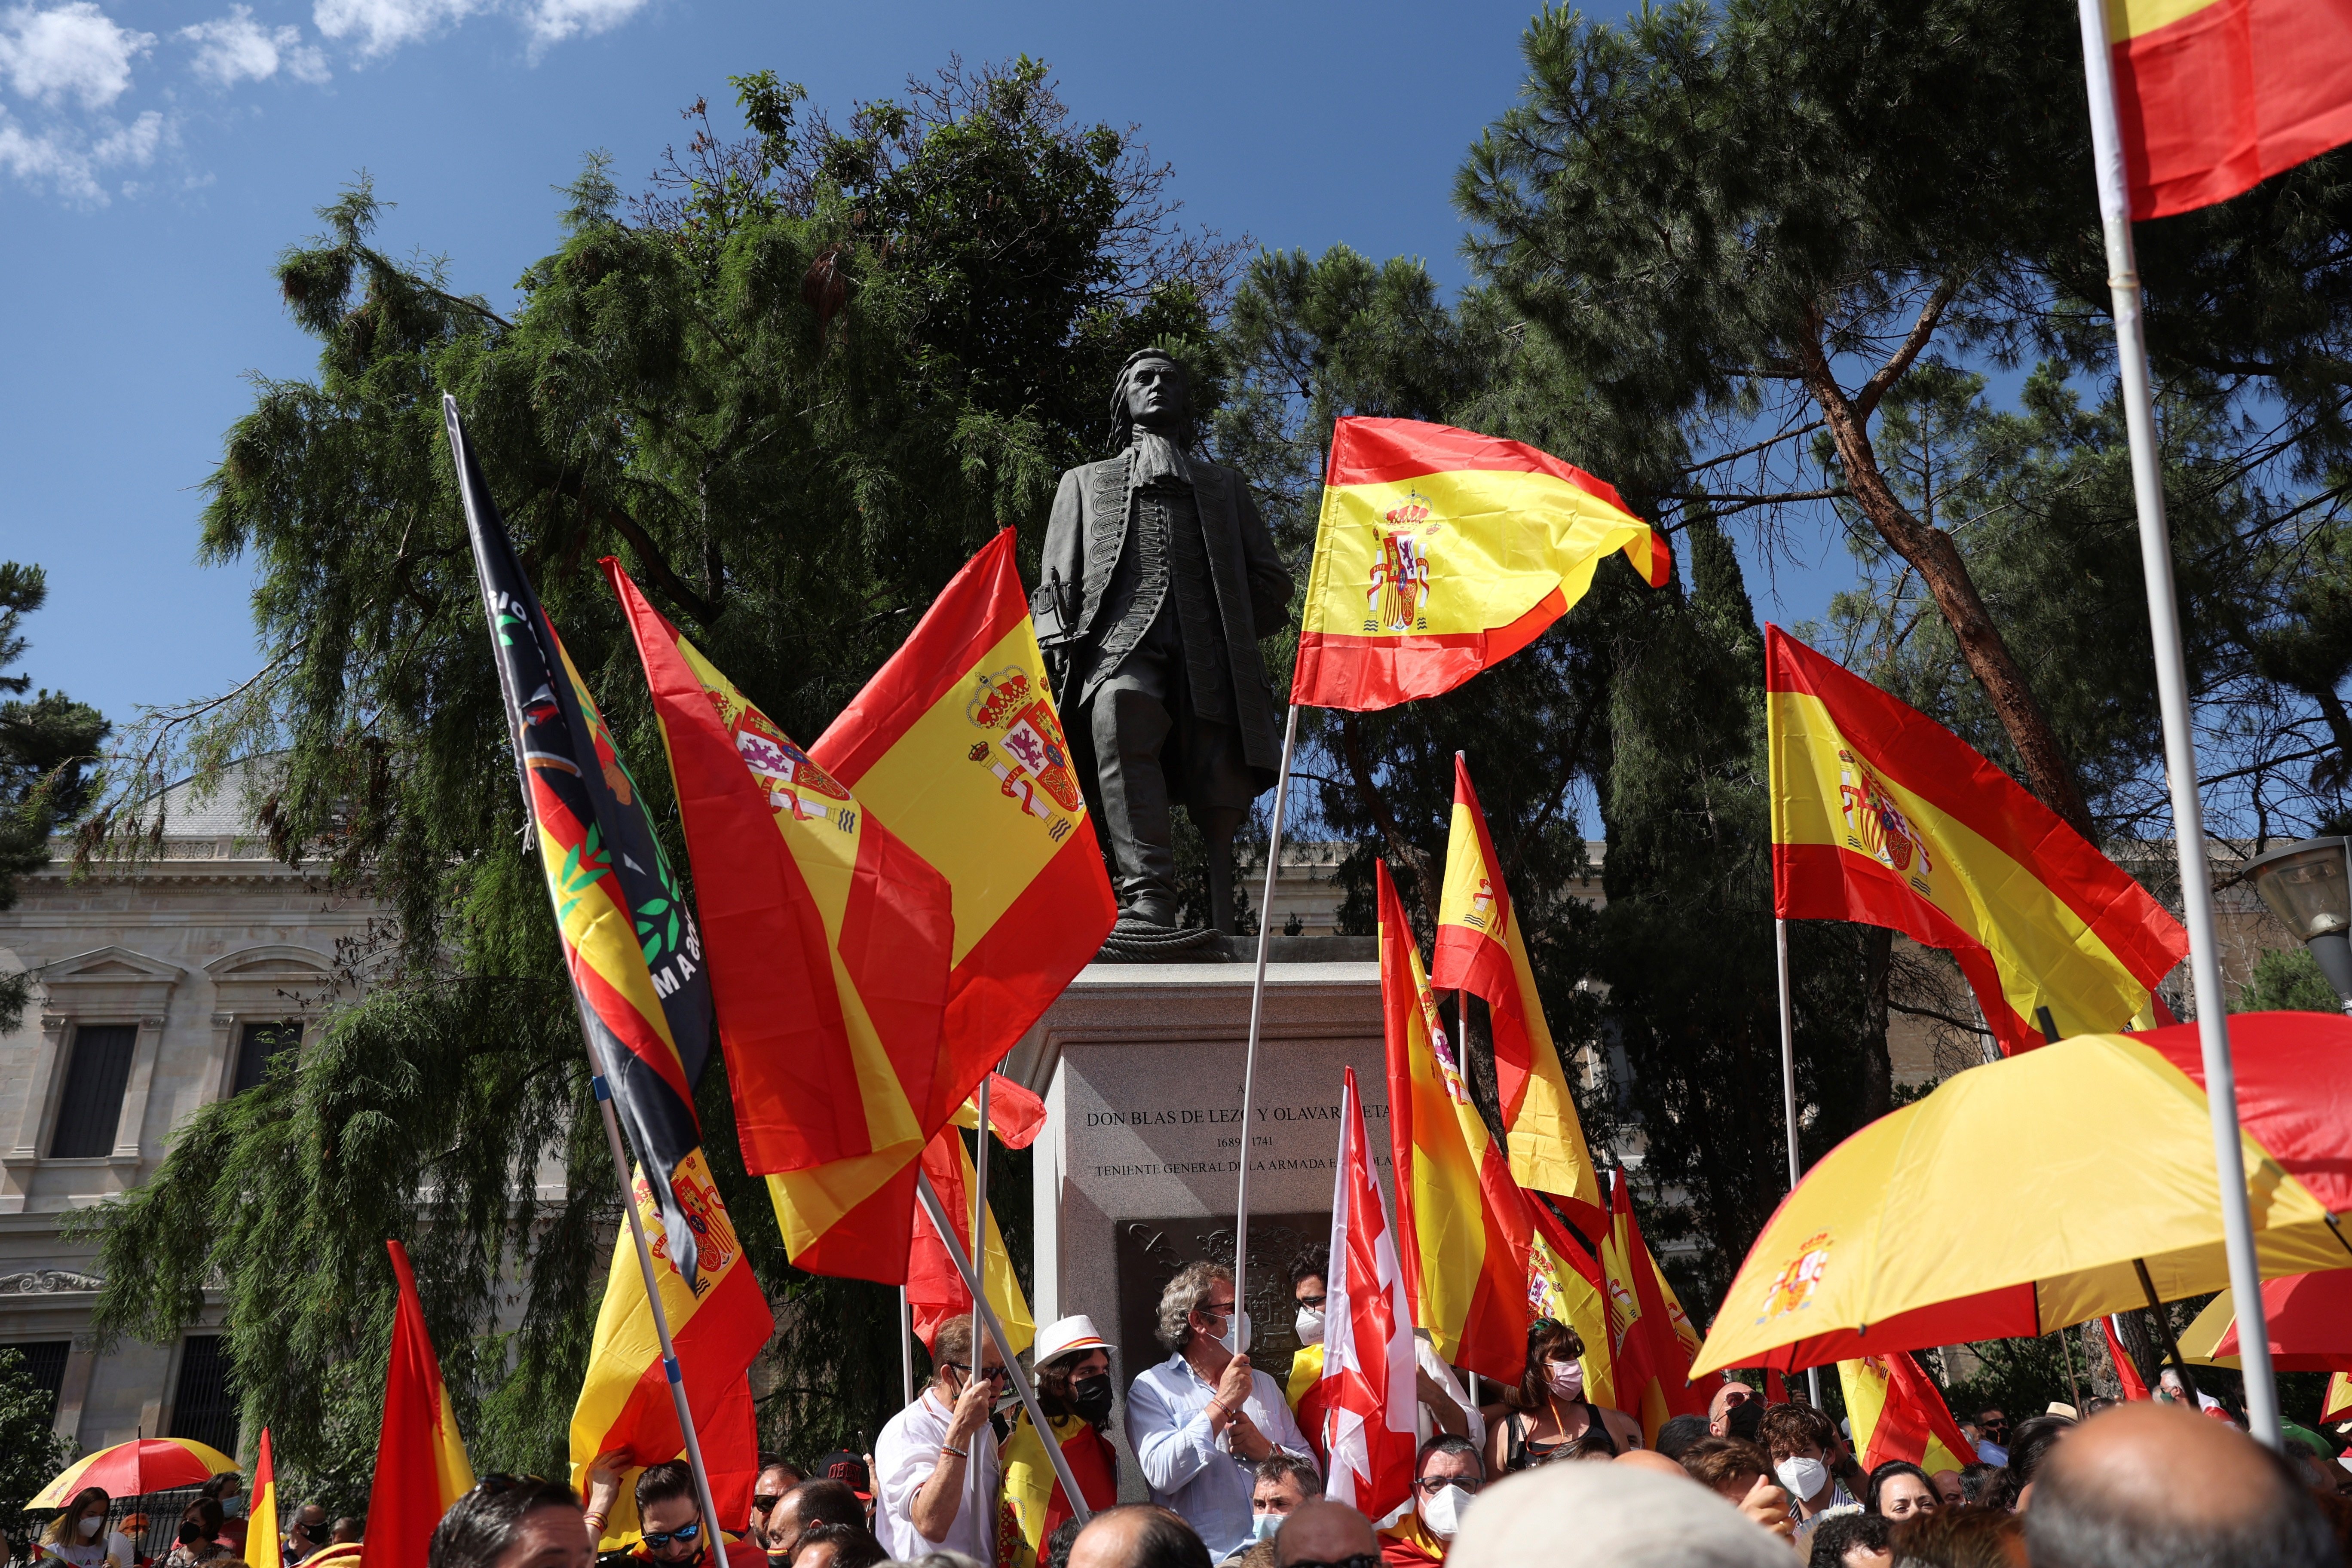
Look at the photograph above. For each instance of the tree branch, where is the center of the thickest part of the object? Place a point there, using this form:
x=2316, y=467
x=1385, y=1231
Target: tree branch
x=656, y=566
x=1922, y=330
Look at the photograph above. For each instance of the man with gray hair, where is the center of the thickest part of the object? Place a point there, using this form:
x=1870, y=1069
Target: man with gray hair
x=1159, y=578
x=1201, y=1420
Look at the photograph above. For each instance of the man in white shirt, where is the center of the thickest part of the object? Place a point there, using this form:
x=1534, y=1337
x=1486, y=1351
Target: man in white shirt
x=936, y=1470
x=1201, y=1420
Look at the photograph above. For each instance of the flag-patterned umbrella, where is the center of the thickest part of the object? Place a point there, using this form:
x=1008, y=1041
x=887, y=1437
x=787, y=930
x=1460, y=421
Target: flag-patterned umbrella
x=2024, y=1196
x=2310, y=1316
x=128, y=1470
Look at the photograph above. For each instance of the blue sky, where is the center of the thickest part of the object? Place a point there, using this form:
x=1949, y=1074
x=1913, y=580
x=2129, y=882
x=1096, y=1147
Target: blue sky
x=155, y=158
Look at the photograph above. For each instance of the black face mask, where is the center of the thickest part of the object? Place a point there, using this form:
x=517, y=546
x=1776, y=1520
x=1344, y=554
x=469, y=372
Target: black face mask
x=1091, y=1395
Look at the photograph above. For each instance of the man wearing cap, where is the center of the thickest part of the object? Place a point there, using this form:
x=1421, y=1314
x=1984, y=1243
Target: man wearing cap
x=935, y=1463
x=1074, y=1389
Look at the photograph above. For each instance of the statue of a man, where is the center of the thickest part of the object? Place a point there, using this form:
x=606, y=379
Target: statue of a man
x=1158, y=579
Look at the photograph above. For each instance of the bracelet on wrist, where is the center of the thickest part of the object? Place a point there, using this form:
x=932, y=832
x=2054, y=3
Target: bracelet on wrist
x=959, y=1453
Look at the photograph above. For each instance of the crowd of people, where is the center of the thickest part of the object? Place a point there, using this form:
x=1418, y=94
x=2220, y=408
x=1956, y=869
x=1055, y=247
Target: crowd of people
x=1233, y=1466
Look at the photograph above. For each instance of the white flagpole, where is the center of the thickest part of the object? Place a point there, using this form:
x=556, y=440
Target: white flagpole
x=1257, y=1014
x=906, y=1346
x=2179, y=741
x=980, y=1256
x=930, y=1198
x=1789, y=1095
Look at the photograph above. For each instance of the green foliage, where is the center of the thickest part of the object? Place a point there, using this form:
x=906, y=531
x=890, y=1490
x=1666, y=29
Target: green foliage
x=31, y=1453
x=2287, y=979
x=793, y=395
x=48, y=750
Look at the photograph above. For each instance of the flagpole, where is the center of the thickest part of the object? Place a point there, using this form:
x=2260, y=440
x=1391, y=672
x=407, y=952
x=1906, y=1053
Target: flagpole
x=1789, y=1094
x=2179, y=741
x=1257, y=1014
x=939, y=1216
x=980, y=1253
x=670, y=1369
x=906, y=1346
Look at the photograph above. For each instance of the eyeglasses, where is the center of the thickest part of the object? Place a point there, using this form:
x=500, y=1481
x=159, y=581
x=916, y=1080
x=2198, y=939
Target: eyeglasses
x=1360, y=1560
x=1313, y=1302
x=1215, y=1310
x=685, y=1534
x=1430, y=1485
x=762, y=1504
x=988, y=1374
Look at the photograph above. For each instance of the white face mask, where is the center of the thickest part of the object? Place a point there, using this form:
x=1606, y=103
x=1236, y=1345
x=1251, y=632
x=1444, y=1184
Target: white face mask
x=1441, y=1514
x=90, y=1527
x=1567, y=1378
x=1801, y=1479
x=1310, y=1326
x=1236, y=1338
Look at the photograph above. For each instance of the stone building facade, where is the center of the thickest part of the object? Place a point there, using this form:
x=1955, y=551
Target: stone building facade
x=161, y=985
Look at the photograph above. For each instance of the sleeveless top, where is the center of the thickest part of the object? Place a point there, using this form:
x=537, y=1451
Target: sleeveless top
x=1522, y=1452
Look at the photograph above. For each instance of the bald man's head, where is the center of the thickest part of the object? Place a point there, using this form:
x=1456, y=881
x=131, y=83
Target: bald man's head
x=1138, y=1535
x=1646, y=1460
x=2145, y=1486
x=1323, y=1531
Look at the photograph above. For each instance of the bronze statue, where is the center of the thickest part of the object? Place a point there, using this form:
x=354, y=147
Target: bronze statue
x=1159, y=577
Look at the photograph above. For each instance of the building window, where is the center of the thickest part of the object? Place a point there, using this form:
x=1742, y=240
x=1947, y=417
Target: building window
x=95, y=1076
x=258, y=1044
x=42, y=1364
x=203, y=1405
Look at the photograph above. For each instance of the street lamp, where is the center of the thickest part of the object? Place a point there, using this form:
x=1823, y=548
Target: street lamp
x=2308, y=885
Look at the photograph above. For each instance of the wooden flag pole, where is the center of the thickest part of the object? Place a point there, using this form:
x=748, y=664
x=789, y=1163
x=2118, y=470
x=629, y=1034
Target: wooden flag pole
x=937, y=1211
x=1257, y=1016
x=2180, y=740
x=653, y=1289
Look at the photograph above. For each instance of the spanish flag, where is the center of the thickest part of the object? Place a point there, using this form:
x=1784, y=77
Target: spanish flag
x=1033, y=1504
x=1651, y=1337
x=829, y=941
x=956, y=744
x=263, y=1548
x=2336, y=1403
x=1882, y=815
x=1566, y=1285
x=420, y=1464
x=935, y=1289
x=2216, y=95
x=1467, y=1234
x=1479, y=949
x=1897, y=1414
x=1440, y=552
x=718, y=1324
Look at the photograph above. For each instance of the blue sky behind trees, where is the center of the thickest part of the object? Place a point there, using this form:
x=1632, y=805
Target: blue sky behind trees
x=154, y=159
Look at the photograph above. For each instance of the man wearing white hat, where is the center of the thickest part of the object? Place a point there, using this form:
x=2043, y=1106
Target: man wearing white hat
x=1074, y=1389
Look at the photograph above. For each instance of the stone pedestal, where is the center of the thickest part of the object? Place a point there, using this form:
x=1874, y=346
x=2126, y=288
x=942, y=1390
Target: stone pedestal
x=1140, y=1067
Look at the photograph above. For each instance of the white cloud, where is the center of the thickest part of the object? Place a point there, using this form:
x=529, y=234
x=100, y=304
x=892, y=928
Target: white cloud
x=379, y=26
x=72, y=49
x=70, y=163
x=553, y=21
x=235, y=47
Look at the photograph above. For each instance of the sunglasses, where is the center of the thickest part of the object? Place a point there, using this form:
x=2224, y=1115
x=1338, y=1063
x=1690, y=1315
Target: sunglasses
x=687, y=1534
x=1360, y=1560
x=1313, y=1302
x=988, y=1374
x=1430, y=1485
x=764, y=1503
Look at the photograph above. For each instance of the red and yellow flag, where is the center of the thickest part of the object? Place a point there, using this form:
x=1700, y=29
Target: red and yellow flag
x=1033, y=1504
x=2336, y=1403
x=1897, y=1414
x=1565, y=1284
x=718, y=1325
x=1650, y=1336
x=2128, y=1376
x=828, y=943
x=1440, y=552
x=1466, y=1234
x=935, y=1289
x=1880, y=815
x=1479, y=949
x=263, y=1546
x=420, y=1464
x=2216, y=95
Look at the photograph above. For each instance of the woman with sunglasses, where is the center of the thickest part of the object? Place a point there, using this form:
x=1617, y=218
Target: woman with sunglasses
x=1547, y=1417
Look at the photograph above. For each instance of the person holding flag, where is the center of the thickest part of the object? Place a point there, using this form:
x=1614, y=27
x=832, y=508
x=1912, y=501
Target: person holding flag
x=1368, y=1347
x=1074, y=1386
x=937, y=1468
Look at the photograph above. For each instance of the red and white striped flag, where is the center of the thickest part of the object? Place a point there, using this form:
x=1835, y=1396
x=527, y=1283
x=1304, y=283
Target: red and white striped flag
x=1368, y=1352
